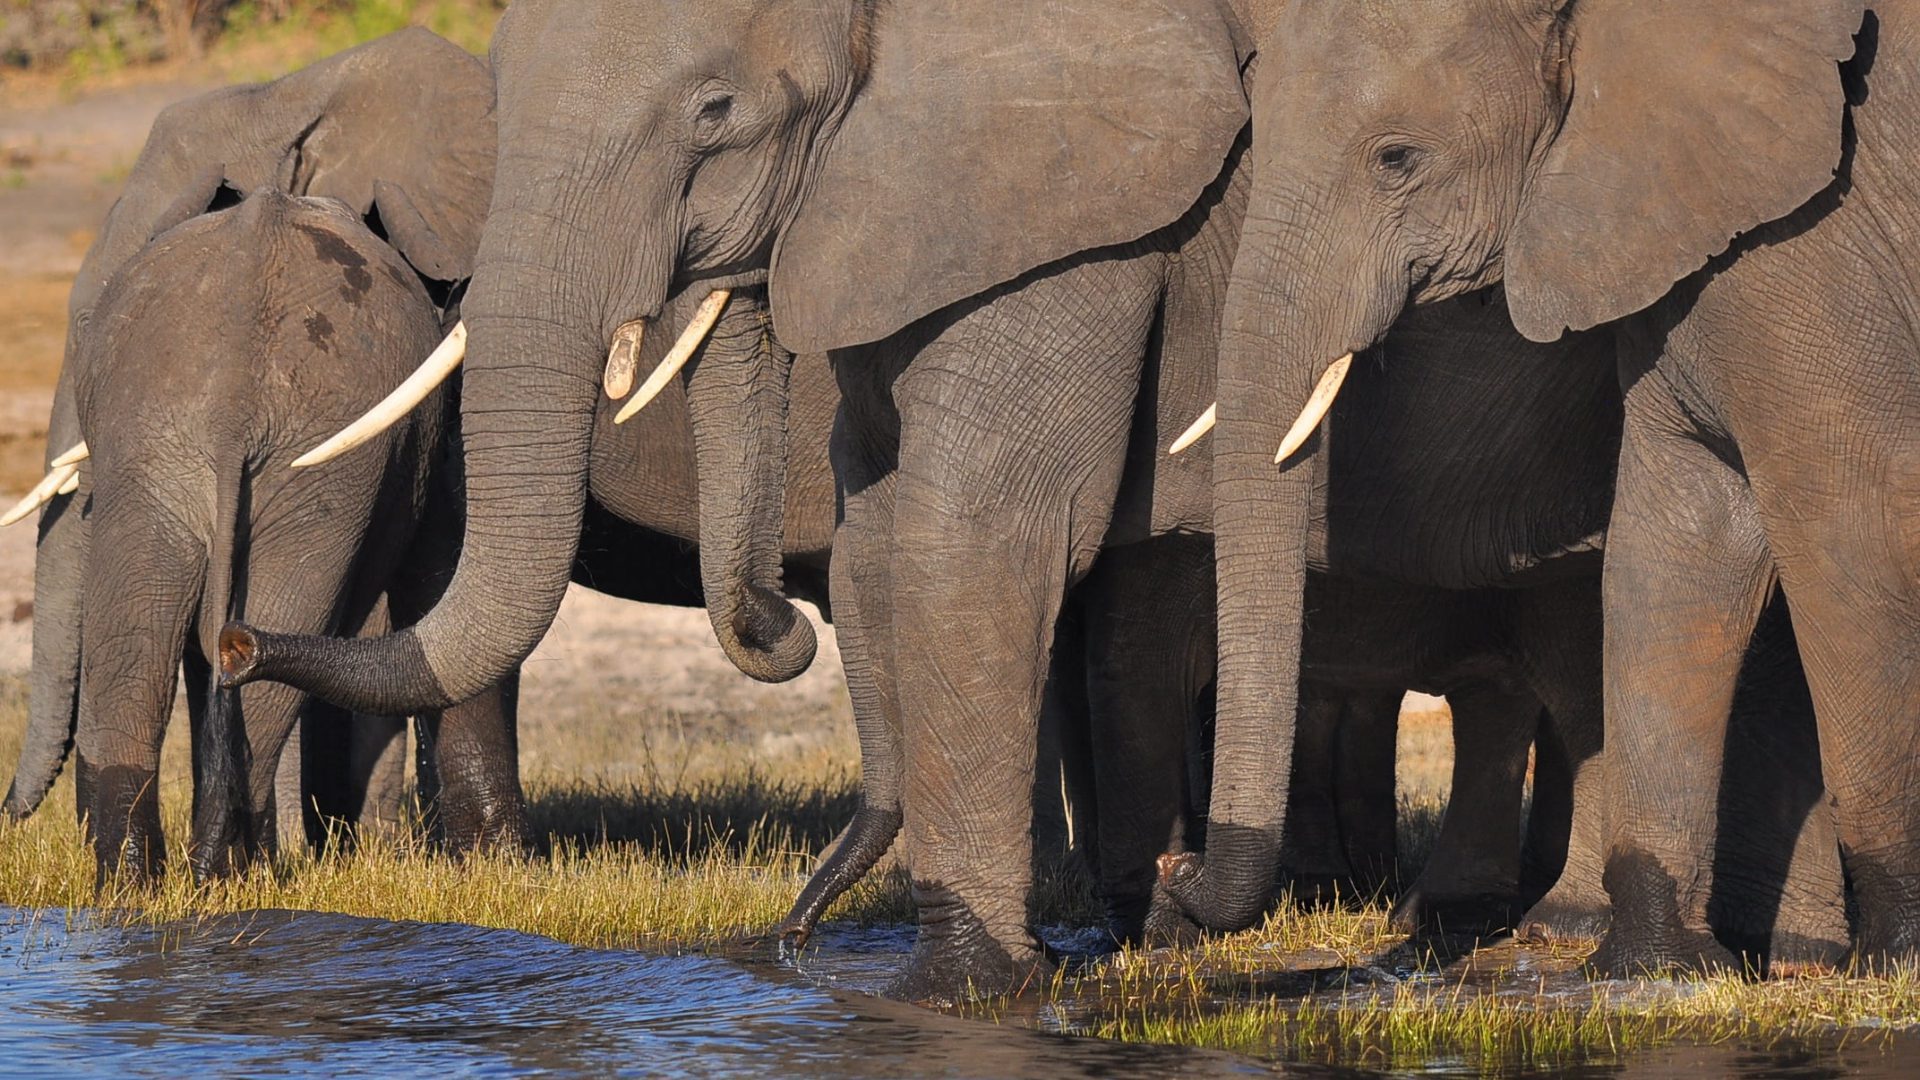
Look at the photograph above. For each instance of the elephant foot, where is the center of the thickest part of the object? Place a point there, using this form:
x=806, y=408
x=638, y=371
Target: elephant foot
x=956, y=959
x=1558, y=919
x=1625, y=954
x=1796, y=956
x=121, y=815
x=1650, y=934
x=1165, y=926
x=1423, y=912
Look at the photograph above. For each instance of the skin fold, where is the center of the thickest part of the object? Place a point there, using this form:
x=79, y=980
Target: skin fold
x=1768, y=403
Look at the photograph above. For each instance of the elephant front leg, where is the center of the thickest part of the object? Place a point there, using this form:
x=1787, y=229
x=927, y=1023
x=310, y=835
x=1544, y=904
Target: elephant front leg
x=1687, y=575
x=1472, y=878
x=1012, y=442
x=476, y=749
x=1560, y=628
x=1149, y=655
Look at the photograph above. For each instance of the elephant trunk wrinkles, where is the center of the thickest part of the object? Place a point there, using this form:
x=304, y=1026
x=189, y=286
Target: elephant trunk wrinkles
x=737, y=397
x=1279, y=334
x=527, y=417
x=60, y=563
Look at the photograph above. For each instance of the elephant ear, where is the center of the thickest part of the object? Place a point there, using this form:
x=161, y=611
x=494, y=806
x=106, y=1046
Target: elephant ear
x=1688, y=123
x=403, y=124
x=985, y=144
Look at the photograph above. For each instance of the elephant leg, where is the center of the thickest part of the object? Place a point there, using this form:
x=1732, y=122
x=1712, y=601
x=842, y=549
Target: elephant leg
x=1856, y=615
x=863, y=625
x=1472, y=878
x=469, y=754
x=143, y=582
x=290, y=798
x=1779, y=891
x=1148, y=641
x=377, y=761
x=1682, y=593
x=1560, y=630
x=476, y=753
x=1365, y=795
x=1313, y=859
x=1012, y=443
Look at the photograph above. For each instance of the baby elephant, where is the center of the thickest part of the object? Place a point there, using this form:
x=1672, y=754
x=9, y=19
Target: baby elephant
x=231, y=344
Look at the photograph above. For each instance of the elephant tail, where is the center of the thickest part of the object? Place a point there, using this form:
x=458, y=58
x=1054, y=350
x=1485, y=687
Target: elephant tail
x=221, y=750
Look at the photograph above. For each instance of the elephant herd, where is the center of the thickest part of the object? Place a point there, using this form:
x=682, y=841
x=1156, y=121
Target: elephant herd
x=1558, y=357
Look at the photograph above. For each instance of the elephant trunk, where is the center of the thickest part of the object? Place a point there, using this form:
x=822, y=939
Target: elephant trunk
x=737, y=399
x=527, y=415
x=60, y=564
x=1261, y=520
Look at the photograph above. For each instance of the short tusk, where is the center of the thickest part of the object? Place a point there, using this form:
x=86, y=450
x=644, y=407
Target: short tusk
x=623, y=358
x=429, y=375
x=1316, y=410
x=75, y=456
x=53, y=484
x=1198, y=431
x=72, y=483
x=683, y=350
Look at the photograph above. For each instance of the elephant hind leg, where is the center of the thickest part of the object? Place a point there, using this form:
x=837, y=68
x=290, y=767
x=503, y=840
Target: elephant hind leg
x=142, y=588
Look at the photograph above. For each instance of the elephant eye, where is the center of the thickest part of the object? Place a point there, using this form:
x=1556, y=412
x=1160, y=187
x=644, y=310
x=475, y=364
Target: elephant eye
x=1392, y=164
x=714, y=110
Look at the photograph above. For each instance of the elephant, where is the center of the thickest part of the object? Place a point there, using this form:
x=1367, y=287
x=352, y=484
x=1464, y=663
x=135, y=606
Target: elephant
x=181, y=385
x=1728, y=218
x=399, y=129
x=801, y=167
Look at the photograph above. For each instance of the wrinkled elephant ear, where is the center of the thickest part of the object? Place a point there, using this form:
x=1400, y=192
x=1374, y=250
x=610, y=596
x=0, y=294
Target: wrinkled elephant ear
x=1688, y=123
x=426, y=169
x=981, y=148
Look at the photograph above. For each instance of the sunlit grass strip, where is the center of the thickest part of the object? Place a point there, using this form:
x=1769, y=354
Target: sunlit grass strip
x=1410, y=1026
x=709, y=885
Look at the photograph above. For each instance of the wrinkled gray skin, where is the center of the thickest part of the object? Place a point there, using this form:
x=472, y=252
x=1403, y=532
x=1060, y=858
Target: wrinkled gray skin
x=1594, y=158
x=283, y=316
x=400, y=131
x=830, y=149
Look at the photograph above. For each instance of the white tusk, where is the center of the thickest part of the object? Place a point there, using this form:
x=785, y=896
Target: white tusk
x=398, y=404
x=72, y=483
x=623, y=358
x=75, y=456
x=682, y=351
x=1198, y=431
x=1316, y=409
x=42, y=494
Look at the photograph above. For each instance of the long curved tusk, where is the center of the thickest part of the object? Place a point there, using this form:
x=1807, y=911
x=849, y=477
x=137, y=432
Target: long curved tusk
x=1198, y=431
x=623, y=358
x=696, y=332
x=42, y=494
x=430, y=374
x=1316, y=410
x=75, y=456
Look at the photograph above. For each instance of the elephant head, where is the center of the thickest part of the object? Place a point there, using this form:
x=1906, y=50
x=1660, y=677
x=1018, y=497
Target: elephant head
x=803, y=175
x=1586, y=154
x=399, y=129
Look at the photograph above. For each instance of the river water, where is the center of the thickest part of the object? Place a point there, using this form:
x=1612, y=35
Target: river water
x=308, y=994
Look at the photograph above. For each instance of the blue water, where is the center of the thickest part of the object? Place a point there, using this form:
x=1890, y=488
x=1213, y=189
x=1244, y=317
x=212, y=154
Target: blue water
x=304, y=994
